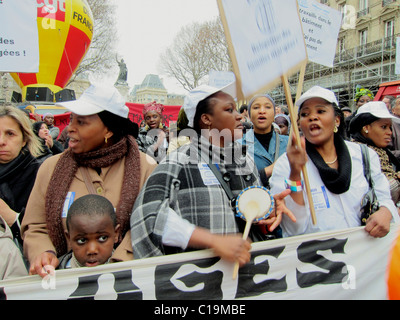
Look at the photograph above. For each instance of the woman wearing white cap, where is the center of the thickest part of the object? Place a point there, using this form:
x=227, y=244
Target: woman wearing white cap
x=102, y=158
x=372, y=125
x=183, y=206
x=335, y=169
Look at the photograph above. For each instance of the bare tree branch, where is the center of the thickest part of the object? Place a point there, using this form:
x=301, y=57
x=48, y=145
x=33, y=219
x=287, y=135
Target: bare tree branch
x=101, y=54
x=196, y=50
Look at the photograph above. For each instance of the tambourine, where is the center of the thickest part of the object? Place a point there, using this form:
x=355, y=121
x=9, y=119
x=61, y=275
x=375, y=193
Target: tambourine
x=255, y=195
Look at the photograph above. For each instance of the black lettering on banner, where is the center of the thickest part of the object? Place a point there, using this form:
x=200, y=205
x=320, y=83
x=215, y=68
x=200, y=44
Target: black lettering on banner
x=136, y=117
x=211, y=281
x=61, y=122
x=87, y=288
x=123, y=286
x=246, y=285
x=307, y=252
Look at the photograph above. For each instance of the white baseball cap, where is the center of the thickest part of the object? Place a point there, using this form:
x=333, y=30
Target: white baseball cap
x=318, y=92
x=200, y=93
x=97, y=99
x=377, y=109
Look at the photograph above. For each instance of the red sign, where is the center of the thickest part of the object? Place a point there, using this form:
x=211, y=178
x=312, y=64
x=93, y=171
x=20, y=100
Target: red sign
x=52, y=9
x=170, y=113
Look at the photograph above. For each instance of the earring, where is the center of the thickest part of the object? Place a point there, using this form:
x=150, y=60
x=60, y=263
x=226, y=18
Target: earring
x=335, y=130
x=366, y=131
x=106, y=140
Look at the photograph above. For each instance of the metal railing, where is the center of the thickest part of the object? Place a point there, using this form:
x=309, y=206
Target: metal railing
x=368, y=49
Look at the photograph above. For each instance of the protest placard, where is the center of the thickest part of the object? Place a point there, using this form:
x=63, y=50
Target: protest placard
x=220, y=79
x=19, y=40
x=321, y=26
x=264, y=41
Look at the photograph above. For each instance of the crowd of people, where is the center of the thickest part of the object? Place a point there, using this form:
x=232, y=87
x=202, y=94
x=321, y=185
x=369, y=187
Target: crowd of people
x=112, y=191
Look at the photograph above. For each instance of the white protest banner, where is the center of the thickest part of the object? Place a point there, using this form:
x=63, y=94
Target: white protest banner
x=321, y=26
x=398, y=55
x=265, y=42
x=220, y=79
x=342, y=264
x=19, y=39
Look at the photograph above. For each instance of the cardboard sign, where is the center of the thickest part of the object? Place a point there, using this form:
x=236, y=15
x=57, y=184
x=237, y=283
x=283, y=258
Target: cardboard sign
x=265, y=42
x=321, y=26
x=19, y=40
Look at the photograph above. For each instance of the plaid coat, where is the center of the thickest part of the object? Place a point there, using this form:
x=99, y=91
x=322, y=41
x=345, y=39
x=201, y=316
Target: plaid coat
x=180, y=183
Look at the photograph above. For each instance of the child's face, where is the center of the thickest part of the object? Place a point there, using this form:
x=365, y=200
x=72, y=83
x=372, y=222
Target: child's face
x=92, y=238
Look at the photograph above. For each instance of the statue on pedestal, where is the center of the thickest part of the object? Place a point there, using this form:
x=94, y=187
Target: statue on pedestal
x=123, y=72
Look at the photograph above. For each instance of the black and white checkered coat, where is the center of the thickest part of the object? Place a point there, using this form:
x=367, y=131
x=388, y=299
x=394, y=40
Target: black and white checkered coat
x=178, y=184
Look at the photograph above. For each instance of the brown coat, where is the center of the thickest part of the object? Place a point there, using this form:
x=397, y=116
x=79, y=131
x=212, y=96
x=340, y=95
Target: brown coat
x=108, y=184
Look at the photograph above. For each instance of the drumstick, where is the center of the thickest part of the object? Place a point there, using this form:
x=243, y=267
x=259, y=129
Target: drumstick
x=250, y=213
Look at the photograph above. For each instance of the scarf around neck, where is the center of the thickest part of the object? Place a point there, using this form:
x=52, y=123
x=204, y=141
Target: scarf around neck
x=386, y=157
x=8, y=170
x=337, y=181
x=65, y=171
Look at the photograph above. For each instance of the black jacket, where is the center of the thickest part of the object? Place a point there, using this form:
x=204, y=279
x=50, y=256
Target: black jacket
x=16, y=182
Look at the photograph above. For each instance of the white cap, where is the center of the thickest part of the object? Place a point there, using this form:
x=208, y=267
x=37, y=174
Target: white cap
x=318, y=92
x=97, y=99
x=200, y=93
x=377, y=109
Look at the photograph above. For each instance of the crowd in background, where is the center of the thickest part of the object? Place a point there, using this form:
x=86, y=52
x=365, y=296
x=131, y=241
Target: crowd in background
x=106, y=190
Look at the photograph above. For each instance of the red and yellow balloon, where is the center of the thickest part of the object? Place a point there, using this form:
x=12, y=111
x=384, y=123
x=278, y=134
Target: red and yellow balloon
x=65, y=33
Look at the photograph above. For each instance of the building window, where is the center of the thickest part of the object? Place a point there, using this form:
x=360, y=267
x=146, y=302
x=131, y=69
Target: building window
x=387, y=2
x=389, y=33
x=363, y=37
x=364, y=9
x=342, y=46
x=363, y=4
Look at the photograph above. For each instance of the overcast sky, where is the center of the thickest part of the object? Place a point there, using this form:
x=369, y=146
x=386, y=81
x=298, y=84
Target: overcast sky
x=148, y=27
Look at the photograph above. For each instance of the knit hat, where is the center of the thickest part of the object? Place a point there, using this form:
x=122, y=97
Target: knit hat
x=261, y=95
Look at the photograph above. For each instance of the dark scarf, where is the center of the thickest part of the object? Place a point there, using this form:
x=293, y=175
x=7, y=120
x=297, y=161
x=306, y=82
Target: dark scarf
x=64, y=173
x=337, y=181
x=13, y=173
x=8, y=170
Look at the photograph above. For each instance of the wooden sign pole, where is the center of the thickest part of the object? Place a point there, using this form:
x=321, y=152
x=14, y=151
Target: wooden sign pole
x=295, y=130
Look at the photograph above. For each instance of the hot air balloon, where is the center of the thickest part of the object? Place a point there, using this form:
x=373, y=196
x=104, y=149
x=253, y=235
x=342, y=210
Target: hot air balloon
x=65, y=33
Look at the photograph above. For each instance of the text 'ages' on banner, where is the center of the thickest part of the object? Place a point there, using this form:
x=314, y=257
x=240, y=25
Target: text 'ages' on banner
x=335, y=265
x=321, y=26
x=265, y=41
x=19, y=40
